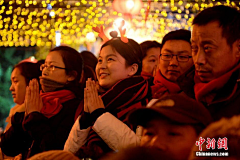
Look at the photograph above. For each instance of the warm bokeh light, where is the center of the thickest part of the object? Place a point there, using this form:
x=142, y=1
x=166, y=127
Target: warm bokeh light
x=35, y=22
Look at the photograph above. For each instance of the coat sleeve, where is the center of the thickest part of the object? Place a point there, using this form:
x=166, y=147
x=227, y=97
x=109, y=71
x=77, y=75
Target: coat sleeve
x=47, y=135
x=115, y=133
x=77, y=137
x=15, y=140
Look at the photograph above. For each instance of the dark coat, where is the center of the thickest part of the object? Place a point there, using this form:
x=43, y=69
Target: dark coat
x=35, y=133
x=225, y=103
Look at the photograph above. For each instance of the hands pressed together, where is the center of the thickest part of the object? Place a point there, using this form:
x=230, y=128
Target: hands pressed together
x=92, y=100
x=33, y=100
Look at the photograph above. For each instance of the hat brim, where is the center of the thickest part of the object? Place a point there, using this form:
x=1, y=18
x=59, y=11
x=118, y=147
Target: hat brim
x=144, y=115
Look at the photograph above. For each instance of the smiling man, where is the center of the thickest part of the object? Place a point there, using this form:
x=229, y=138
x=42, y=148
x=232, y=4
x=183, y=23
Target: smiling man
x=216, y=54
x=174, y=60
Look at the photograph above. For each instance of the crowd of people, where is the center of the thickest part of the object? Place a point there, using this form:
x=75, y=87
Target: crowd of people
x=178, y=99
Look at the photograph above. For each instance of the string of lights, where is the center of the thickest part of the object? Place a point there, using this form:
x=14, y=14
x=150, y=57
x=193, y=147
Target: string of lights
x=36, y=22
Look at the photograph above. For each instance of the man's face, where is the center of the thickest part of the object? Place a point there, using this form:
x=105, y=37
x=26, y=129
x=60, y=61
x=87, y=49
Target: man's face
x=172, y=69
x=176, y=140
x=212, y=55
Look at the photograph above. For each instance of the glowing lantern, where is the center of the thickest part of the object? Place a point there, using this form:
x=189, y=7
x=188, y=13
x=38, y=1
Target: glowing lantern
x=128, y=7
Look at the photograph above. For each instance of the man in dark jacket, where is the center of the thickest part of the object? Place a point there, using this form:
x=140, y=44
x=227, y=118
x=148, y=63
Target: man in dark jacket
x=216, y=53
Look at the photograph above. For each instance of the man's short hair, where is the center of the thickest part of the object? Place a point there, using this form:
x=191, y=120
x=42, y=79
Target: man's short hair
x=180, y=34
x=228, y=18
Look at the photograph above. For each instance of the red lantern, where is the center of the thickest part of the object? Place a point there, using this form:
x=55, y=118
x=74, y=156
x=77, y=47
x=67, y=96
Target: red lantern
x=127, y=7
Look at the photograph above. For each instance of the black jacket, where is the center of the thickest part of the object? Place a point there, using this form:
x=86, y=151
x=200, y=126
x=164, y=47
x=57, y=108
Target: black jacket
x=225, y=103
x=35, y=133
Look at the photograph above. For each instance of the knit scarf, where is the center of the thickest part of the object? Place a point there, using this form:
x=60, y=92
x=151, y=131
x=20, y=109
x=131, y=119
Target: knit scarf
x=206, y=92
x=163, y=86
x=123, y=97
x=52, y=101
x=49, y=85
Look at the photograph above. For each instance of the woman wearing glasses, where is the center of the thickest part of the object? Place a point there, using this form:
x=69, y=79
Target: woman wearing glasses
x=175, y=59
x=49, y=114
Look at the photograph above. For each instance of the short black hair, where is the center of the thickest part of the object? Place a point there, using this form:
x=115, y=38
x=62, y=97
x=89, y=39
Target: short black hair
x=228, y=18
x=180, y=34
x=146, y=45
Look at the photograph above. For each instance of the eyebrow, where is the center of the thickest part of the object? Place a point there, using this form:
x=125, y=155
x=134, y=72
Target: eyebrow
x=12, y=78
x=207, y=42
x=184, y=51
x=109, y=55
x=153, y=56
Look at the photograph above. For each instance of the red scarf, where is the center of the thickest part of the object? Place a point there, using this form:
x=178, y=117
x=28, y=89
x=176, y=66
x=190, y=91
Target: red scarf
x=206, y=92
x=146, y=75
x=52, y=101
x=125, y=96
x=163, y=86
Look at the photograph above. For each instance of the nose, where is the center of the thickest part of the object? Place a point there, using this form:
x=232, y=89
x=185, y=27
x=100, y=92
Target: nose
x=11, y=88
x=158, y=142
x=200, y=57
x=45, y=72
x=102, y=65
x=174, y=61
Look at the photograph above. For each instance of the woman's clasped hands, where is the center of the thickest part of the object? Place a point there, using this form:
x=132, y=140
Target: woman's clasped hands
x=33, y=100
x=92, y=100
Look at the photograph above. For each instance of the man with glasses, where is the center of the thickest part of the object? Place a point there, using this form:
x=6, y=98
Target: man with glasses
x=215, y=82
x=174, y=60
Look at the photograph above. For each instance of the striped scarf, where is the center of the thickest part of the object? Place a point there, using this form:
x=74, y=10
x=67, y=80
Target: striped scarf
x=125, y=96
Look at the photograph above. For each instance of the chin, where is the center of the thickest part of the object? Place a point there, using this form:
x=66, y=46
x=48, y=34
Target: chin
x=205, y=80
x=172, y=79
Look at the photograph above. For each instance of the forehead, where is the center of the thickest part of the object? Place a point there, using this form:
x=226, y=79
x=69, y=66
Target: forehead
x=16, y=73
x=55, y=57
x=163, y=122
x=209, y=32
x=107, y=51
x=153, y=51
x=176, y=46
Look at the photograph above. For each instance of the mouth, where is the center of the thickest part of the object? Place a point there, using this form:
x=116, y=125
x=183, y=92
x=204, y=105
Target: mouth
x=202, y=73
x=173, y=71
x=14, y=95
x=103, y=75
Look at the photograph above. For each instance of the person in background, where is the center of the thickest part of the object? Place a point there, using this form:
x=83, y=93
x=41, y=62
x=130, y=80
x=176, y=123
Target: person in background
x=175, y=59
x=89, y=65
x=102, y=127
x=49, y=114
x=171, y=124
x=221, y=136
x=216, y=52
x=90, y=62
x=151, y=52
x=22, y=73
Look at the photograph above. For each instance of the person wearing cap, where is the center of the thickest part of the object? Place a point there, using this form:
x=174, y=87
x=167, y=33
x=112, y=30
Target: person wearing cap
x=225, y=130
x=174, y=60
x=171, y=124
x=216, y=54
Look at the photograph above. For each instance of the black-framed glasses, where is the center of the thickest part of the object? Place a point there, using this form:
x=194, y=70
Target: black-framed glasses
x=180, y=58
x=50, y=67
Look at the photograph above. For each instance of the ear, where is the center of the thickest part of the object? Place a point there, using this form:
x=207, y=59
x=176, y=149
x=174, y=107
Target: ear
x=134, y=69
x=72, y=76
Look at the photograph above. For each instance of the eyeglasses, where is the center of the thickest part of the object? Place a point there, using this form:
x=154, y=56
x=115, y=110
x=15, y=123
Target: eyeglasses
x=180, y=58
x=50, y=67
